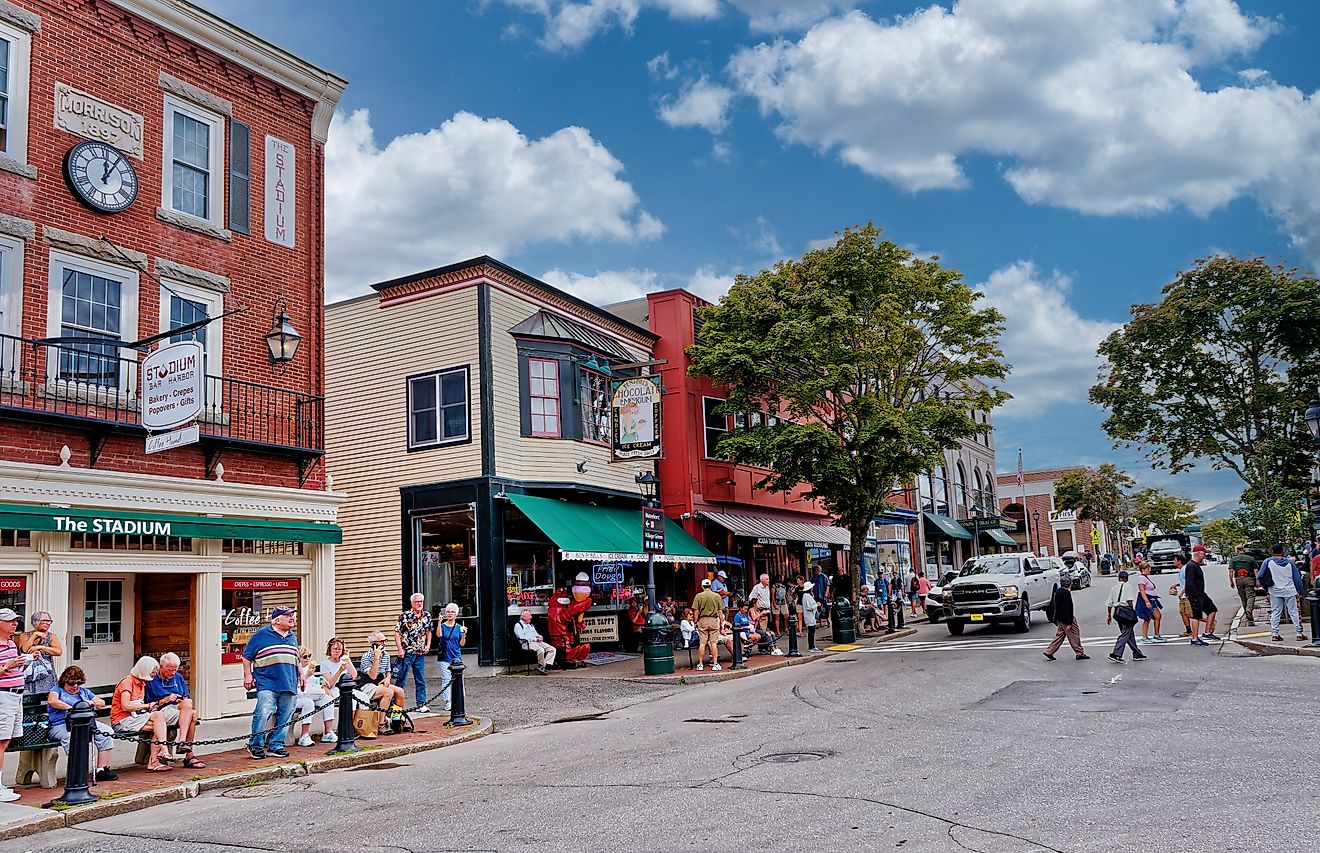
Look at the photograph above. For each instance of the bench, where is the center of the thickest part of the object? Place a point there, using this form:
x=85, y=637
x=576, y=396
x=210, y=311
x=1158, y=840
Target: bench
x=143, y=754
x=37, y=750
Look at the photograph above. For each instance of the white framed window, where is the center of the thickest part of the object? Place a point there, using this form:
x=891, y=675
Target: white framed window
x=438, y=411
x=97, y=301
x=15, y=63
x=193, y=179
x=11, y=286
x=715, y=425
x=181, y=304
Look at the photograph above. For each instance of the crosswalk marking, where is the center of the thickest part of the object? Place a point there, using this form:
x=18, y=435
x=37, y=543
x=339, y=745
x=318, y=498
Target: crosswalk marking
x=990, y=644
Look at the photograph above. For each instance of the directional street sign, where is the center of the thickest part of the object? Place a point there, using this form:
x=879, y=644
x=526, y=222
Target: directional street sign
x=653, y=530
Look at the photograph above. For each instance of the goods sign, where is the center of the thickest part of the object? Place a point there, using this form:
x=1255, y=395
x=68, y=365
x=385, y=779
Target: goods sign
x=635, y=415
x=172, y=378
x=600, y=629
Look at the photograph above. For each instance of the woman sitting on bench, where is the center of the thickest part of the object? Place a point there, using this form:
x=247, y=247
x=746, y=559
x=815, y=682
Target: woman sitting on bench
x=69, y=691
x=130, y=711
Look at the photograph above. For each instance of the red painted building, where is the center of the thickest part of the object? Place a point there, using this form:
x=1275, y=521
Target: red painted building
x=160, y=170
x=752, y=530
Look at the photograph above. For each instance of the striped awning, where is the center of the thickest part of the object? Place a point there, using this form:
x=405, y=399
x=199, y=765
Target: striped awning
x=778, y=530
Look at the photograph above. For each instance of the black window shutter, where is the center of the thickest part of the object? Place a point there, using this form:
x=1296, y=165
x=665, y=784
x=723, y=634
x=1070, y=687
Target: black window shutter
x=240, y=177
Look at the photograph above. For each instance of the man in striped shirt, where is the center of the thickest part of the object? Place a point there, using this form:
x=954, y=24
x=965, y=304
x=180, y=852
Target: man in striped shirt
x=11, y=691
x=270, y=665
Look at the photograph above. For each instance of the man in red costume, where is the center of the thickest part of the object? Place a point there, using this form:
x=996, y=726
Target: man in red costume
x=565, y=615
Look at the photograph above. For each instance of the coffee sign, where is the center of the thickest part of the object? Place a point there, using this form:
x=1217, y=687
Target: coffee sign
x=92, y=118
x=172, y=378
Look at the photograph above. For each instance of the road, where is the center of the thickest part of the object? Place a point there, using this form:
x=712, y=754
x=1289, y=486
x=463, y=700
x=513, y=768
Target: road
x=935, y=744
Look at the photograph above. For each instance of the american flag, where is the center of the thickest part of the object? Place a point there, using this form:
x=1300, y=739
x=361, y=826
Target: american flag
x=1020, y=481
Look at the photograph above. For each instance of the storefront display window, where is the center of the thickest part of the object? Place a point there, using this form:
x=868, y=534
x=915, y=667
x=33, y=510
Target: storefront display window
x=446, y=570
x=245, y=605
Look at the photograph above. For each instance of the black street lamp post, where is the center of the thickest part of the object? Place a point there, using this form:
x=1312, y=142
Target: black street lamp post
x=650, y=485
x=1035, y=531
x=976, y=530
x=1313, y=597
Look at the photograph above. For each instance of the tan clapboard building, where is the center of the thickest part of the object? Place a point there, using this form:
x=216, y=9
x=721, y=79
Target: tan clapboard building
x=467, y=418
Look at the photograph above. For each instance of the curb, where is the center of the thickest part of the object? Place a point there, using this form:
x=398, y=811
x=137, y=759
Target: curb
x=1272, y=648
x=45, y=820
x=729, y=674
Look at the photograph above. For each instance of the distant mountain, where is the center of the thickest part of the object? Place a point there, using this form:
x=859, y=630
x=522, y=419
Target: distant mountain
x=1219, y=510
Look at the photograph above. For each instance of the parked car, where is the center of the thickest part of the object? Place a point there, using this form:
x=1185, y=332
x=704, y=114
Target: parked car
x=999, y=588
x=1079, y=573
x=935, y=598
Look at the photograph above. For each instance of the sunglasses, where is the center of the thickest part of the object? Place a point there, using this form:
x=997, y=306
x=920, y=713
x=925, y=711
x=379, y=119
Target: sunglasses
x=77, y=683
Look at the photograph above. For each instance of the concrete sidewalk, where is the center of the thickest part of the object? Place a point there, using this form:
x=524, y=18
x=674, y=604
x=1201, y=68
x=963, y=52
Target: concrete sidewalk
x=1258, y=637
x=136, y=788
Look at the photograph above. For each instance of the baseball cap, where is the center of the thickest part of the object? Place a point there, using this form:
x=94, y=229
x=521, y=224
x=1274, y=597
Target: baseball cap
x=277, y=612
x=7, y=615
x=1197, y=549
x=704, y=582
x=721, y=574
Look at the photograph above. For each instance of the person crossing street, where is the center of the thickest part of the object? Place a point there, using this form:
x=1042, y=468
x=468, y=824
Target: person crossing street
x=1120, y=609
x=1242, y=570
x=1064, y=617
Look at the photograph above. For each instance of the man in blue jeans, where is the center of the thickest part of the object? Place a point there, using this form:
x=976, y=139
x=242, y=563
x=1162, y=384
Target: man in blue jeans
x=270, y=666
x=412, y=642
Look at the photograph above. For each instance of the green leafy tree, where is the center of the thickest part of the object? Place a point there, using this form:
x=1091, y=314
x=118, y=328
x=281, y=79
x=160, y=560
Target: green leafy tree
x=1272, y=513
x=1097, y=494
x=870, y=358
x=1168, y=513
x=1223, y=534
x=1220, y=369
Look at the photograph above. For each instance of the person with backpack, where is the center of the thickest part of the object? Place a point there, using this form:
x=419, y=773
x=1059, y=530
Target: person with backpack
x=1120, y=609
x=1281, y=577
x=1242, y=573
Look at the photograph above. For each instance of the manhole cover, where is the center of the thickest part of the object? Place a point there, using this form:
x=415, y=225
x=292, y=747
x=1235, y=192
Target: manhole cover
x=792, y=757
x=266, y=789
x=384, y=765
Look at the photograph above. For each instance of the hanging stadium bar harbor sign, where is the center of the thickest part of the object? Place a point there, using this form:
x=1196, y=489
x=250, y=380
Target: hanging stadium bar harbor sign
x=171, y=393
x=635, y=415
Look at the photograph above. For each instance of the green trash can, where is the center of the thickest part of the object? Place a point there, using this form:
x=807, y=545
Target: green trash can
x=845, y=628
x=658, y=654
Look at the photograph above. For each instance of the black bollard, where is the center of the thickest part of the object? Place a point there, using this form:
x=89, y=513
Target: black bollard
x=792, y=635
x=81, y=719
x=347, y=734
x=457, y=713
x=1313, y=599
x=901, y=615
x=889, y=608
x=737, y=651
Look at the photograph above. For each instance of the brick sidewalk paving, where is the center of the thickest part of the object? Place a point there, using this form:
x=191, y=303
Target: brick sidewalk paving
x=136, y=780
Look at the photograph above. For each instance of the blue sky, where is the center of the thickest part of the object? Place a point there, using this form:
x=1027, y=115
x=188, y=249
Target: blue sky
x=1069, y=157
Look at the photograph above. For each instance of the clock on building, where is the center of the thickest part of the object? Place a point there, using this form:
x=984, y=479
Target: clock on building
x=100, y=176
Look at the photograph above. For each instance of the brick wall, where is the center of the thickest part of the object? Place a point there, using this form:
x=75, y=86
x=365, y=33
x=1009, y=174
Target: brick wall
x=99, y=48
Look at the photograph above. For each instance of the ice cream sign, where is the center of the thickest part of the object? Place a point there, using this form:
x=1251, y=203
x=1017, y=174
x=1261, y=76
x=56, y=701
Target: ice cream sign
x=172, y=378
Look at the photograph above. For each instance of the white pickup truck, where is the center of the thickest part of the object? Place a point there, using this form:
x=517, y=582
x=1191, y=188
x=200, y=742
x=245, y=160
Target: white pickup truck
x=999, y=588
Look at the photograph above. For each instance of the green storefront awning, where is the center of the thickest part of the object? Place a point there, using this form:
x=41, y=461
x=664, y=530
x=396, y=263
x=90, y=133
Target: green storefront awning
x=942, y=525
x=60, y=520
x=599, y=533
x=999, y=536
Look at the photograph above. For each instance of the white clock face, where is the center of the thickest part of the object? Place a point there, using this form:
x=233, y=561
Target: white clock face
x=101, y=176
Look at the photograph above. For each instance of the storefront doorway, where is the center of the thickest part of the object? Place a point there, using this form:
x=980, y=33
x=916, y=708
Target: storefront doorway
x=165, y=617
x=446, y=568
x=101, y=609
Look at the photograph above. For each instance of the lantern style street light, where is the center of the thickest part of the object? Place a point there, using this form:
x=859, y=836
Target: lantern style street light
x=283, y=339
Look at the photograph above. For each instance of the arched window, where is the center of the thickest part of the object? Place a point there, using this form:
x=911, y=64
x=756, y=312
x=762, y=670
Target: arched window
x=960, y=495
x=940, y=484
x=926, y=493
x=980, y=499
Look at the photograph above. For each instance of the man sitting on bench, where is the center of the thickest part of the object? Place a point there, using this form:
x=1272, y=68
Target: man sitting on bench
x=171, y=691
x=69, y=691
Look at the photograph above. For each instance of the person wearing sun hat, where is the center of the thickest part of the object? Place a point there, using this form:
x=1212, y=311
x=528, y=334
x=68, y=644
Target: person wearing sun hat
x=11, y=691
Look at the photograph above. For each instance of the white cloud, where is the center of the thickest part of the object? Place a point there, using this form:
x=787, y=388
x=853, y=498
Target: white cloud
x=472, y=185
x=710, y=284
x=784, y=15
x=1051, y=347
x=701, y=103
x=1091, y=105
x=569, y=24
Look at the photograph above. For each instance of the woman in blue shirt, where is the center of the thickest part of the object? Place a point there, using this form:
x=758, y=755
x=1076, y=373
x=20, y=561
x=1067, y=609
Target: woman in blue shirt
x=69, y=691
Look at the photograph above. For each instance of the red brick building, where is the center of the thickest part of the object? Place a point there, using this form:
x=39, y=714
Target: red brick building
x=1043, y=526
x=161, y=180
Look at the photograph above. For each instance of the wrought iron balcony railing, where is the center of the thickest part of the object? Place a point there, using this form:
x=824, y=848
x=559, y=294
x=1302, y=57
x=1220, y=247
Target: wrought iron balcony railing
x=94, y=384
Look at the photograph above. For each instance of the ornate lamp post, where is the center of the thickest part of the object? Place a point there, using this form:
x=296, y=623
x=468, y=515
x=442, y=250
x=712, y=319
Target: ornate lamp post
x=1035, y=531
x=650, y=488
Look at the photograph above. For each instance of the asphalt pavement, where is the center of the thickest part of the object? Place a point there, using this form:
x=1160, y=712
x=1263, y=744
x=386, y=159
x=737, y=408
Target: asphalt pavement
x=972, y=743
